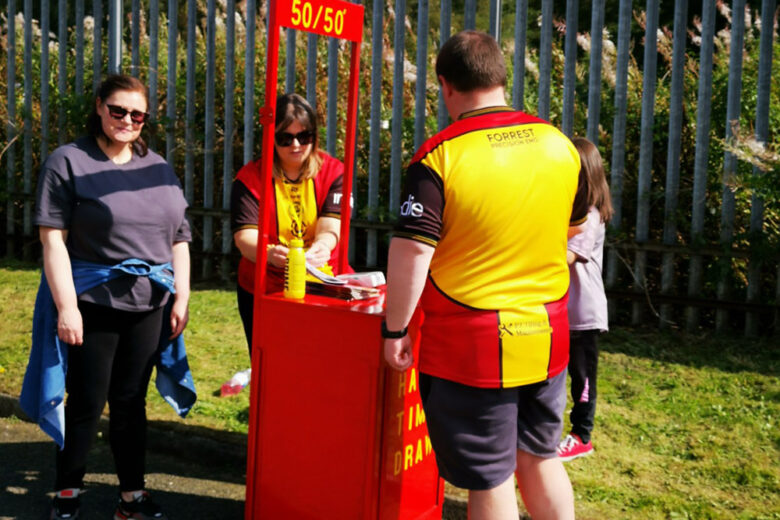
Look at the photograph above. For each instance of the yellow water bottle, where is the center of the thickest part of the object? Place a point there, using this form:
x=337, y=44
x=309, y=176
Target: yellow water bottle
x=295, y=271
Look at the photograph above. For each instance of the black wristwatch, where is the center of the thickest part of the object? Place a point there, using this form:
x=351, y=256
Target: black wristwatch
x=393, y=334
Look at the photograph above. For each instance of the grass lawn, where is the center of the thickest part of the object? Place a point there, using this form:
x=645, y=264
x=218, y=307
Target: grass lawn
x=686, y=426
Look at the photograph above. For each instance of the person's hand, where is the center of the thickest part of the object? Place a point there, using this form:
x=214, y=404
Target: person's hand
x=70, y=327
x=318, y=254
x=398, y=353
x=277, y=255
x=180, y=315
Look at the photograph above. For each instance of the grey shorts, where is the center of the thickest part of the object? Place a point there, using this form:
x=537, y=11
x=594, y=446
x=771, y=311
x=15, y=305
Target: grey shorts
x=476, y=432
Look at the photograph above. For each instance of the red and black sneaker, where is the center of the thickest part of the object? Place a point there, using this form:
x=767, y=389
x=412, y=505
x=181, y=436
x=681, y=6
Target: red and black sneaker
x=572, y=447
x=65, y=505
x=142, y=507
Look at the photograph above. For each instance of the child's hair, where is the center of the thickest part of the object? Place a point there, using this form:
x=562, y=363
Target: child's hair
x=593, y=168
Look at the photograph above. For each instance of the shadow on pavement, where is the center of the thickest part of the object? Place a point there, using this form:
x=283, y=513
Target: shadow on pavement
x=186, y=486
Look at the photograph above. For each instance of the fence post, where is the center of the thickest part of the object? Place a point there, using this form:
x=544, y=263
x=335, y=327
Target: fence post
x=673, y=155
x=730, y=160
x=645, y=155
x=398, y=106
x=619, y=141
x=701, y=158
x=495, y=19
x=521, y=28
x=227, y=162
x=545, y=60
x=135, y=36
x=761, y=136
x=114, y=36
x=154, y=49
x=594, y=76
x=44, y=109
x=28, y=87
x=374, y=130
x=311, y=70
x=208, y=147
x=445, y=22
x=249, y=81
x=97, y=43
x=79, y=47
x=333, y=91
x=290, y=60
x=470, y=15
x=569, y=66
x=189, y=122
x=170, y=98
x=421, y=84
x=62, y=74
x=11, y=131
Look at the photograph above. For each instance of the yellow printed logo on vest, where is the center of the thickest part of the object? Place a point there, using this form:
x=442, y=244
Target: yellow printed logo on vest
x=525, y=345
x=296, y=210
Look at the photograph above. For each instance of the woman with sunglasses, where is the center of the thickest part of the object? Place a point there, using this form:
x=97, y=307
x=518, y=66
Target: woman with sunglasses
x=306, y=201
x=115, y=251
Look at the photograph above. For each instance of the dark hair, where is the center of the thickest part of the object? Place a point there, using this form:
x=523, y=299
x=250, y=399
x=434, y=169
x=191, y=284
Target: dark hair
x=471, y=60
x=107, y=87
x=293, y=107
x=593, y=168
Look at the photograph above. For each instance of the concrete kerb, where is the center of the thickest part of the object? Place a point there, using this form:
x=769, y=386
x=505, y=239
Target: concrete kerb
x=210, y=445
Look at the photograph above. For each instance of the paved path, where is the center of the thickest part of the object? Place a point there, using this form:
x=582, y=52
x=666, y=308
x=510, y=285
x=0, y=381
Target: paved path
x=192, y=477
x=188, y=488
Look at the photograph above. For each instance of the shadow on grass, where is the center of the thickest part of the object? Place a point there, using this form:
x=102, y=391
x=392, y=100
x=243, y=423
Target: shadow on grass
x=13, y=264
x=726, y=352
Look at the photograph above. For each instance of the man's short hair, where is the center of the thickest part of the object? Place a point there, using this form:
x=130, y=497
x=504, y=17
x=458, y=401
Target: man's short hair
x=471, y=60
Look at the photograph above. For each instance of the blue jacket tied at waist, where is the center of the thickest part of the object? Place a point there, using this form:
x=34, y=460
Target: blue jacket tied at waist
x=43, y=389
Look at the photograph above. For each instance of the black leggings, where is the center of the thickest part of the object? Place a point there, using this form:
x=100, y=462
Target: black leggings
x=246, y=309
x=583, y=367
x=115, y=363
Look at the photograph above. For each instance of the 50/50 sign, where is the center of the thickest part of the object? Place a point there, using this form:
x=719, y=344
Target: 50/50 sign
x=334, y=18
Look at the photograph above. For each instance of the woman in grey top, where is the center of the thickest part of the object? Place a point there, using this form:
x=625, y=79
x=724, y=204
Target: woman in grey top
x=102, y=200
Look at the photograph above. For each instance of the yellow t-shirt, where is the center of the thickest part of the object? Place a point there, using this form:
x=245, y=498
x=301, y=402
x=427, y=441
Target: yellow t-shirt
x=495, y=193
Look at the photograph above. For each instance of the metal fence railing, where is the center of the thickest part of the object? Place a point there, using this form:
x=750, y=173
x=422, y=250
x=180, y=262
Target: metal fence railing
x=682, y=236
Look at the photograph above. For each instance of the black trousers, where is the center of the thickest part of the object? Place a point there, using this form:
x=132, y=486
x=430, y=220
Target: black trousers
x=583, y=367
x=246, y=309
x=114, y=363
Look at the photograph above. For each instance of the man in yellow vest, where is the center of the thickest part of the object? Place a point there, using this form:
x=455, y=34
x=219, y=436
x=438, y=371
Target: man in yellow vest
x=488, y=206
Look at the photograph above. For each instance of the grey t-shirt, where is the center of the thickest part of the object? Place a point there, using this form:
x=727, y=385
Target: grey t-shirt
x=587, y=301
x=113, y=212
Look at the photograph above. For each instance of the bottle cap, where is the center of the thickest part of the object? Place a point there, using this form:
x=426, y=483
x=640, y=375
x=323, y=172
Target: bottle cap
x=296, y=242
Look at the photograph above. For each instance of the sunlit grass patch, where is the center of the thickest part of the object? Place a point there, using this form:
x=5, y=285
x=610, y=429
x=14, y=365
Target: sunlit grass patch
x=686, y=427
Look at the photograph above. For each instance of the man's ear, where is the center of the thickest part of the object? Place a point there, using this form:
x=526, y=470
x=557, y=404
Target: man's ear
x=446, y=87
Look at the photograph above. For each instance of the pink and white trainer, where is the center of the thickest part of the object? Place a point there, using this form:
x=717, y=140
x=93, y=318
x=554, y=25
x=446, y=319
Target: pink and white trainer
x=572, y=447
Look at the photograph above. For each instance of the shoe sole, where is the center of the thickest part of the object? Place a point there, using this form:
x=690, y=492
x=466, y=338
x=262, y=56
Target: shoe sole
x=54, y=516
x=577, y=456
x=57, y=517
x=122, y=516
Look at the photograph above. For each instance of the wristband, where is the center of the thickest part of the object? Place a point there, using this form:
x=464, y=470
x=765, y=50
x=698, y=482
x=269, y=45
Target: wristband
x=393, y=334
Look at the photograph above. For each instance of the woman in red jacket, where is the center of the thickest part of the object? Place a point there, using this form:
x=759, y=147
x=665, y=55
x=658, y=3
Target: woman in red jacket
x=305, y=203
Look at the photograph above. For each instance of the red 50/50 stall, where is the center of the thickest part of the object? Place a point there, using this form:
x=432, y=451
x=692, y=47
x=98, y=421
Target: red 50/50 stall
x=333, y=432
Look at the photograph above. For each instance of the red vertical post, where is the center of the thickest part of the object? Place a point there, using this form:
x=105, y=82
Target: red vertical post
x=267, y=120
x=349, y=154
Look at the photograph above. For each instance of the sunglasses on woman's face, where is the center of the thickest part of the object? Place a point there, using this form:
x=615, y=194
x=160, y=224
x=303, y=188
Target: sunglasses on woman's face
x=285, y=139
x=136, y=116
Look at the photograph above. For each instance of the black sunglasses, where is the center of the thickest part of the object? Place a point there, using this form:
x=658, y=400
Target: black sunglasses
x=285, y=139
x=136, y=116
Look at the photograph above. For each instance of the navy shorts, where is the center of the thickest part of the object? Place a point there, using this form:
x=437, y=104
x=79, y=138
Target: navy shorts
x=476, y=432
